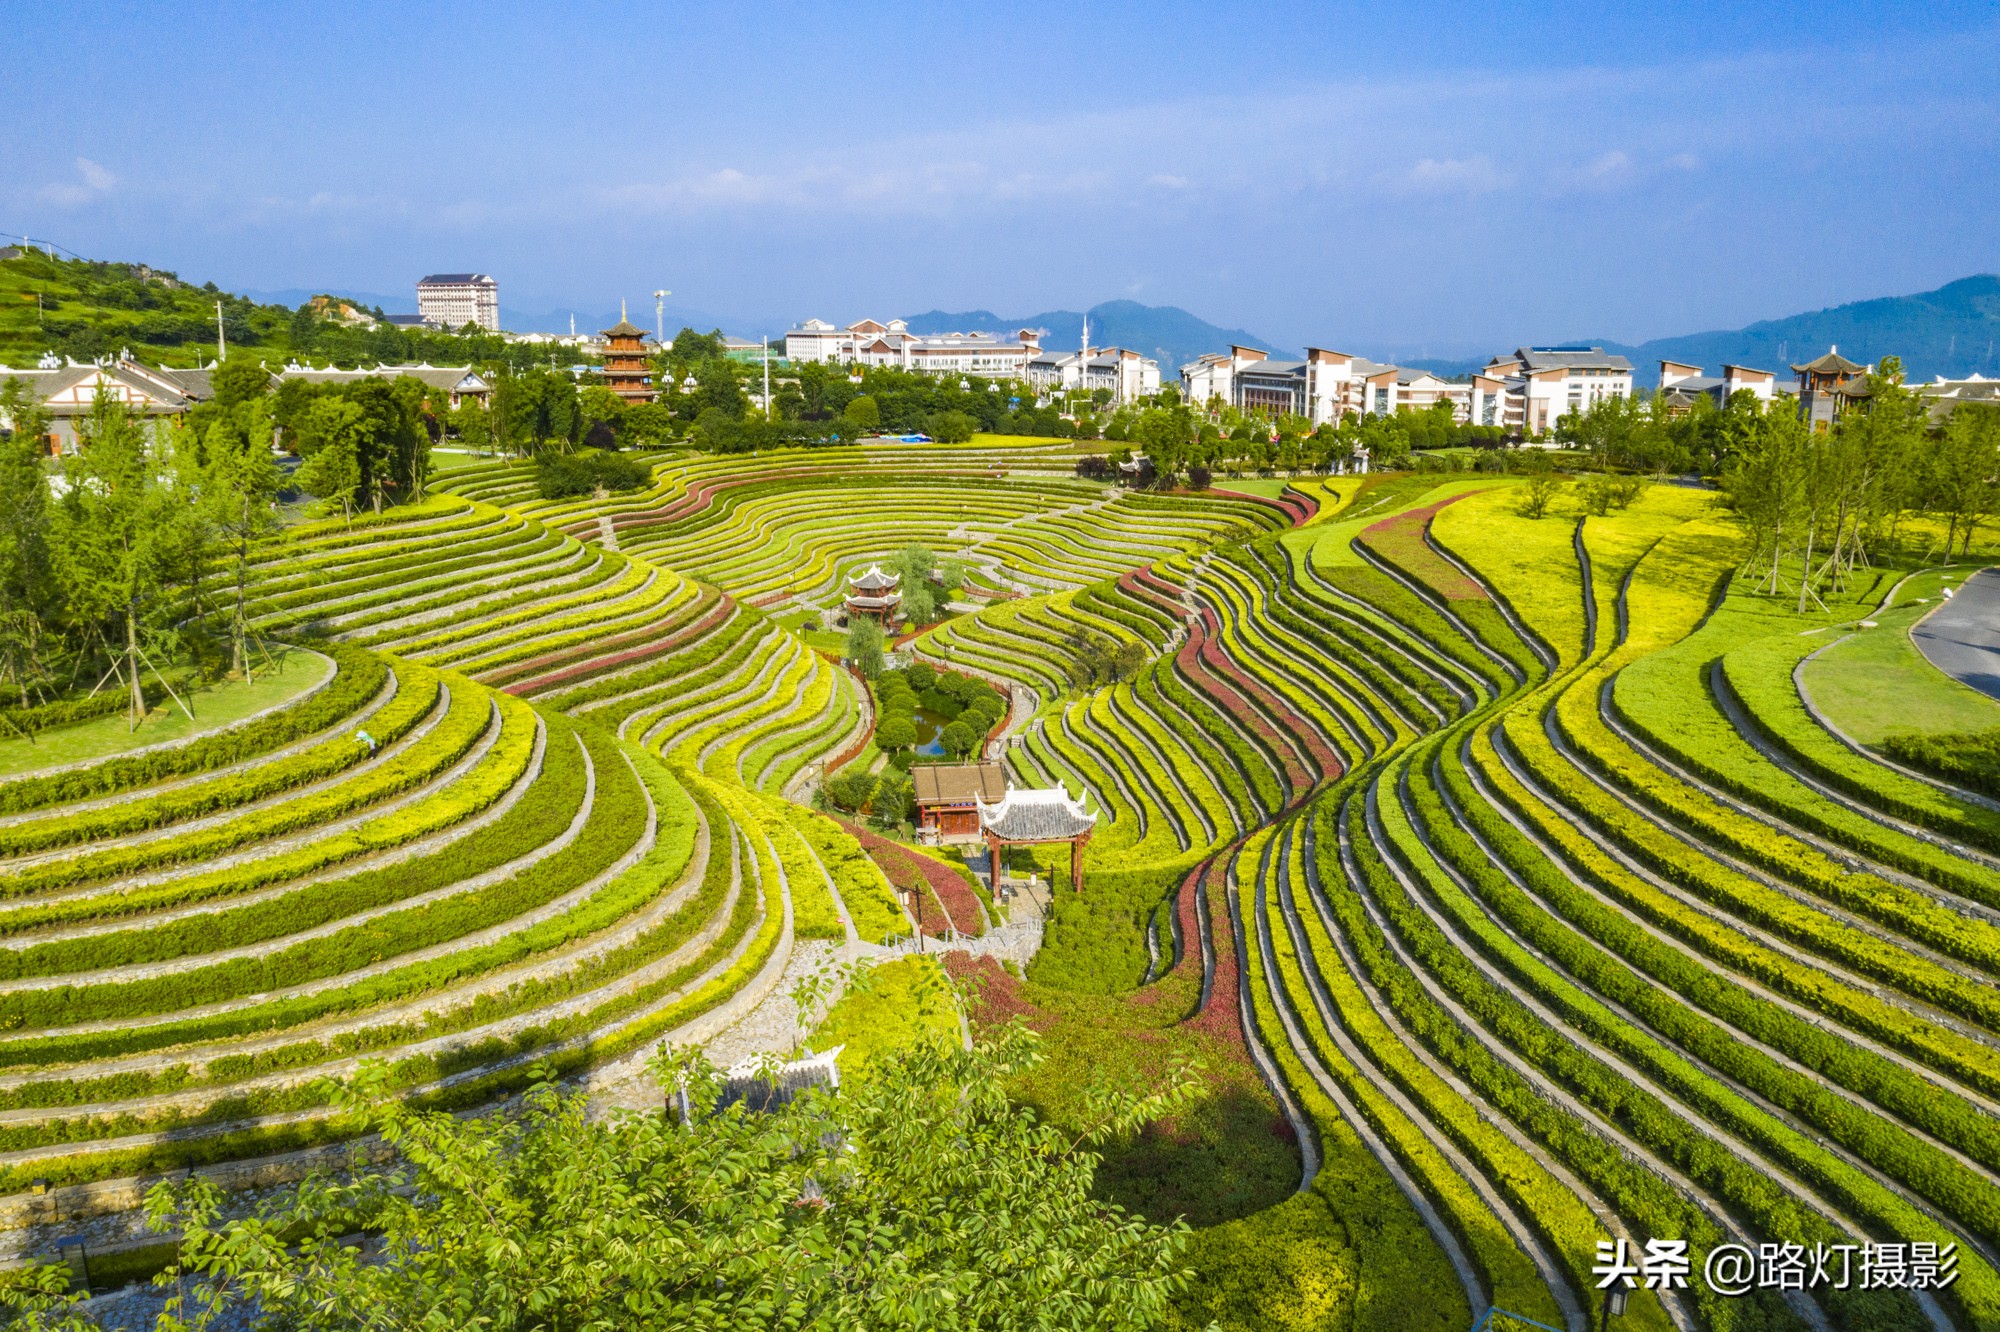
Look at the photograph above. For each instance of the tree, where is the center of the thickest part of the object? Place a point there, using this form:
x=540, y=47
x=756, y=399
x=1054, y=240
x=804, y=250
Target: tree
x=27, y=578
x=952, y=427
x=240, y=480
x=864, y=646
x=916, y=565
x=1536, y=496
x=894, y=797
x=921, y=1195
x=117, y=521
x=959, y=739
x=896, y=733
x=862, y=414
x=473, y=424
x=331, y=437
x=1960, y=480
x=850, y=790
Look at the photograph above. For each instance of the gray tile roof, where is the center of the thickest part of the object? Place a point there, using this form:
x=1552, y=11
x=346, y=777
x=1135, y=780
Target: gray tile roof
x=1036, y=815
x=1570, y=358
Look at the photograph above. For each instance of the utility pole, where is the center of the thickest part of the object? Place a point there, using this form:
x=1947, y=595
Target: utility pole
x=767, y=376
x=221, y=347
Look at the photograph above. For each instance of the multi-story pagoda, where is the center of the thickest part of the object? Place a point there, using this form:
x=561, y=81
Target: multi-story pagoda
x=875, y=594
x=1827, y=387
x=628, y=368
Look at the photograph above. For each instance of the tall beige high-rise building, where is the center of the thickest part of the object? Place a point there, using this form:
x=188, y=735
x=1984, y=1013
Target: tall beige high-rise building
x=453, y=300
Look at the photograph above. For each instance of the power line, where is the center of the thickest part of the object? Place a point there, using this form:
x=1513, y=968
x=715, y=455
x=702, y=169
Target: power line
x=47, y=244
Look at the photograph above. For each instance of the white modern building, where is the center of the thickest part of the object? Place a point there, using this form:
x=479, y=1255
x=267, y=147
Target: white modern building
x=1681, y=384
x=1125, y=373
x=453, y=300
x=868, y=343
x=1532, y=388
x=1323, y=388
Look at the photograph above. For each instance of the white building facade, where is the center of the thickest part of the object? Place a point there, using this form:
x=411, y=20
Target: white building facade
x=869, y=343
x=1125, y=373
x=1532, y=388
x=1323, y=388
x=453, y=300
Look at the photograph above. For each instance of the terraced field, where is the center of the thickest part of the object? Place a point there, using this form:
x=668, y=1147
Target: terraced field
x=794, y=523
x=1550, y=885
x=1551, y=879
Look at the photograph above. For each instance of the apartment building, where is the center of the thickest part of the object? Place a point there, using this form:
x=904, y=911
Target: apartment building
x=1125, y=373
x=453, y=300
x=1324, y=387
x=869, y=343
x=1532, y=388
x=1681, y=384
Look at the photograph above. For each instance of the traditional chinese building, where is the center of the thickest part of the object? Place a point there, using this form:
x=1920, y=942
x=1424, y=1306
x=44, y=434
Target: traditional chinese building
x=875, y=594
x=1827, y=386
x=1034, y=816
x=628, y=367
x=949, y=796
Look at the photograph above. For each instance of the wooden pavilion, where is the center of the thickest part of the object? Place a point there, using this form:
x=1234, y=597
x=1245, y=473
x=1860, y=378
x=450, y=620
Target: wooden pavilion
x=949, y=796
x=876, y=594
x=1035, y=816
x=628, y=367
x=1827, y=385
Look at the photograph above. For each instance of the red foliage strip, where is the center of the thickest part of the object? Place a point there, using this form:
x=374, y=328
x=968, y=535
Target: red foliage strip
x=996, y=994
x=1203, y=662
x=1222, y=1015
x=957, y=906
x=598, y=665
x=1298, y=734
x=1400, y=540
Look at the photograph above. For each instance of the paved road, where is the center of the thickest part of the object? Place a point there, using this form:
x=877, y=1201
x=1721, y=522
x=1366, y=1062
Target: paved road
x=1962, y=637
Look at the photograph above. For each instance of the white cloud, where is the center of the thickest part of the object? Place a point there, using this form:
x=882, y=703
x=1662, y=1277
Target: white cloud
x=1684, y=162
x=1451, y=175
x=1167, y=182
x=96, y=181
x=1611, y=164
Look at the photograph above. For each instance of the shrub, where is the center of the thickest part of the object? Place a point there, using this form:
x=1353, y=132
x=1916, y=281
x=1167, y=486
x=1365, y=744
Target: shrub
x=850, y=790
x=560, y=475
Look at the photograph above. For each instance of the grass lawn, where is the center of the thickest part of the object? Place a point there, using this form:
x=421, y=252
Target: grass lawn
x=893, y=1004
x=215, y=706
x=1876, y=682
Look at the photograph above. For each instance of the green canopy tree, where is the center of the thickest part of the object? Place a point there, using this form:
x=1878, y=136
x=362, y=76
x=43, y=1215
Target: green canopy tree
x=28, y=591
x=120, y=518
x=864, y=646
x=239, y=481
x=918, y=1196
x=332, y=435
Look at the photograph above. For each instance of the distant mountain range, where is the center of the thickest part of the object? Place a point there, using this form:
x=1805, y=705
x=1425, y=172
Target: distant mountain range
x=1953, y=331
x=1167, y=333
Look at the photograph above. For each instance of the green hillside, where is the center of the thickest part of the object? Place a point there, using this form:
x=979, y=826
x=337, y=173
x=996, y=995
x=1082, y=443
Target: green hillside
x=85, y=308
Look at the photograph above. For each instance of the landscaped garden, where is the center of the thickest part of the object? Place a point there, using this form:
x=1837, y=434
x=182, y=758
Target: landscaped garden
x=1510, y=879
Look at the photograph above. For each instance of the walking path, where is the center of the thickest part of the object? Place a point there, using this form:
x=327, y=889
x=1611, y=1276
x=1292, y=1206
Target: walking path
x=1962, y=636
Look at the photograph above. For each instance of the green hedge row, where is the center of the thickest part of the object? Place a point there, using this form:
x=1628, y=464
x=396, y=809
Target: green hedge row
x=358, y=677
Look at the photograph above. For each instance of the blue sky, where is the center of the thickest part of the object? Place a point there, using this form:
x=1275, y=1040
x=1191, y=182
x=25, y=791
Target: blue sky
x=1382, y=179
